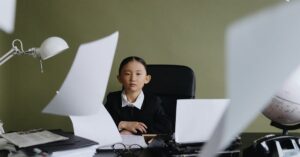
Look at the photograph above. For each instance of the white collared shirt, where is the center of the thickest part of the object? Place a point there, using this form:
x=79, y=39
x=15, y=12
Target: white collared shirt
x=138, y=103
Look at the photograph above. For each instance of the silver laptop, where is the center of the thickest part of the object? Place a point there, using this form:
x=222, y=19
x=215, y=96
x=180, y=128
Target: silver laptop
x=197, y=118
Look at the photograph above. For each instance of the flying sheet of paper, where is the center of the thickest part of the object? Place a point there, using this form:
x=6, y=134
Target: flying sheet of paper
x=84, y=88
x=204, y=115
x=98, y=127
x=7, y=15
x=262, y=50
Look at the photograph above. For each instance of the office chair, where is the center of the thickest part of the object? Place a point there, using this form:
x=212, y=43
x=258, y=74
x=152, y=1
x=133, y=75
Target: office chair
x=171, y=82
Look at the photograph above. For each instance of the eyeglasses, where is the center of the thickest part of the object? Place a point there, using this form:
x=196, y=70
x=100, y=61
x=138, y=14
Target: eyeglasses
x=121, y=149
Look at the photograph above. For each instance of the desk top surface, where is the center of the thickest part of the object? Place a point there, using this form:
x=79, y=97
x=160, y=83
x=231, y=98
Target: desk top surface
x=246, y=141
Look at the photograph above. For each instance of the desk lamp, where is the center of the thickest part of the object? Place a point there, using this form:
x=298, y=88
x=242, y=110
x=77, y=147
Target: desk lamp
x=49, y=48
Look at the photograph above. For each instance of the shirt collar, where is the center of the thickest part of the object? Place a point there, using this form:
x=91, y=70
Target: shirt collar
x=138, y=103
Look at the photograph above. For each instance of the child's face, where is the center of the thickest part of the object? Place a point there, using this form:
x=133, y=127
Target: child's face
x=133, y=76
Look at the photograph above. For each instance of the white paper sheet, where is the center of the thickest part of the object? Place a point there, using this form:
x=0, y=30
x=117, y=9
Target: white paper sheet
x=98, y=127
x=83, y=89
x=134, y=139
x=32, y=137
x=197, y=118
x=80, y=152
x=7, y=15
x=262, y=50
x=130, y=141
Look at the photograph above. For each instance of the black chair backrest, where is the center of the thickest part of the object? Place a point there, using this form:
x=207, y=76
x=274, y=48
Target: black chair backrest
x=171, y=82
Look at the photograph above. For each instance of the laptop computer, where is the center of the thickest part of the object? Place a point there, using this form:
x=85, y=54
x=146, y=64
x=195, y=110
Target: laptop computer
x=195, y=121
x=197, y=118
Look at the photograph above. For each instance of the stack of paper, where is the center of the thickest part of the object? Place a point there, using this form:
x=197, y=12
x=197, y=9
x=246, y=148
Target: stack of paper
x=31, y=138
x=82, y=152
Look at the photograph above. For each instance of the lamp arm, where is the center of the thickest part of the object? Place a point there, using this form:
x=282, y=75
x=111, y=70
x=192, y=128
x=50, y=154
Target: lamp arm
x=8, y=55
x=13, y=51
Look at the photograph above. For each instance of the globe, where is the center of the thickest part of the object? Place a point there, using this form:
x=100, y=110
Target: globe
x=284, y=108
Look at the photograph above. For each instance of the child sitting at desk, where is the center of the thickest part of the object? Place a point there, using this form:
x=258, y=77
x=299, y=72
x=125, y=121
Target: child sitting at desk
x=134, y=111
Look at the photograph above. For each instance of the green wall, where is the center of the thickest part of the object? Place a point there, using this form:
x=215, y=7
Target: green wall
x=4, y=81
x=188, y=32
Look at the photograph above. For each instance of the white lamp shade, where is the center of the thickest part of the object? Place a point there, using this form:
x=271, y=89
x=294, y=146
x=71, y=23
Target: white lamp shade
x=51, y=47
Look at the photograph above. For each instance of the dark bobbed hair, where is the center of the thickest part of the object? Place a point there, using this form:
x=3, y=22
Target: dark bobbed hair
x=130, y=59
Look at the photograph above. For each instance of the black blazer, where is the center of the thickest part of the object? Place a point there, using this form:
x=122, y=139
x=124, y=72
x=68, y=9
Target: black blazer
x=151, y=113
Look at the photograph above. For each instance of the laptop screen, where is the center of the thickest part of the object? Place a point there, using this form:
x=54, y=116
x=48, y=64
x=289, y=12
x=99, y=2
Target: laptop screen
x=197, y=118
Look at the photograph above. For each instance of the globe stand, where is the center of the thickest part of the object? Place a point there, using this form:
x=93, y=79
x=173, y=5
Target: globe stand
x=285, y=128
x=275, y=145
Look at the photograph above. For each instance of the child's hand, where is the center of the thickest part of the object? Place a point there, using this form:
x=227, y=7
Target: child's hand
x=125, y=132
x=133, y=126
